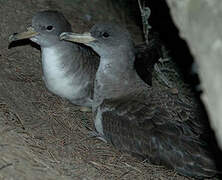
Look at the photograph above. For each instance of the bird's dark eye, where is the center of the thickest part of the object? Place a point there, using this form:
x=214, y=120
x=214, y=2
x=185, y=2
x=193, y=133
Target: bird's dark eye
x=105, y=35
x=49, y=28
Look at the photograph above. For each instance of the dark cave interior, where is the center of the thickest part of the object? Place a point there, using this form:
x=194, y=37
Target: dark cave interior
x=161, y=22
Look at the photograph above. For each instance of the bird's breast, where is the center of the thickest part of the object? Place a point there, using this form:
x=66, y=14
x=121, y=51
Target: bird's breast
x=58, y=77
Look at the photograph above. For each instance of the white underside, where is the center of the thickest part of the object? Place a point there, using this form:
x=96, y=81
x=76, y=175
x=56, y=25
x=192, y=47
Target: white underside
x=56, y=78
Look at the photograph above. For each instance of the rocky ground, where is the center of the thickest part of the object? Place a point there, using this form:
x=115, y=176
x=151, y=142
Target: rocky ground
x=41, y=135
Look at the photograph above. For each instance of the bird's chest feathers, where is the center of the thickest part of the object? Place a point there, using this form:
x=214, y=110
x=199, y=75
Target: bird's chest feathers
x=55, y=73
x=111, y=79
x=110, y=84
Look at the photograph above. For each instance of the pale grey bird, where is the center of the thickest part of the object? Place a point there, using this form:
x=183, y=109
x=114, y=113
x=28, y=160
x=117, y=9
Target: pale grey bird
x=138, y=118
x=69, y=69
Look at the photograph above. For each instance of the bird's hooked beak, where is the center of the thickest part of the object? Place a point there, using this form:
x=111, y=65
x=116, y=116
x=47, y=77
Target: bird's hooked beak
x=84, y=38
x=24, y=35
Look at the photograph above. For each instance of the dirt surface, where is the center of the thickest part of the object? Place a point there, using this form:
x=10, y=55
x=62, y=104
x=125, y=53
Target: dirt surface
x=41, y=135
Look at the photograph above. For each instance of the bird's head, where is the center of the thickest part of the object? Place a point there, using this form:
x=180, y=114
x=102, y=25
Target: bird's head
x=45, y=29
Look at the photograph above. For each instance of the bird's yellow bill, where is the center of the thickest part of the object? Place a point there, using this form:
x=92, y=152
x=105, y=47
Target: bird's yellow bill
x=79, y=38
x=24, y=35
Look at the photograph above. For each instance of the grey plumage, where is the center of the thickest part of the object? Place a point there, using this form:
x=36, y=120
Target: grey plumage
x=69, y=69
x=140, y=119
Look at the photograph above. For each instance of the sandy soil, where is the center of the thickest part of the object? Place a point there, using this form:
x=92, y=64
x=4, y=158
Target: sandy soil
x=41, y=135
